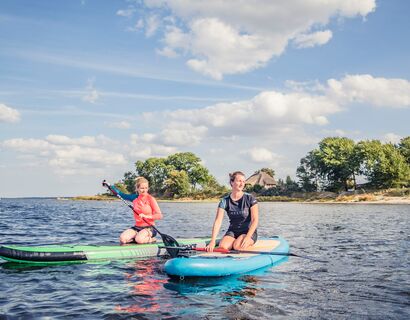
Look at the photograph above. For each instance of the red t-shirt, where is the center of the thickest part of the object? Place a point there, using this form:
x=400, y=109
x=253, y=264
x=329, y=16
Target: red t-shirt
x=146, y=204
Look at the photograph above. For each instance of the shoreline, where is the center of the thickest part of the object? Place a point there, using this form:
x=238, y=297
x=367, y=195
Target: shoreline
x=342, y=200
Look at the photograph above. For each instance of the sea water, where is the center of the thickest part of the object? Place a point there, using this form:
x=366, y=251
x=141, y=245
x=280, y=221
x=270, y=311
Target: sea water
x=365, y=274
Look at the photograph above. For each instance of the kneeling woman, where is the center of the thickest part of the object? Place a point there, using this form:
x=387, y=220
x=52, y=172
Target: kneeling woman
x=146, y=211
x=242, y=210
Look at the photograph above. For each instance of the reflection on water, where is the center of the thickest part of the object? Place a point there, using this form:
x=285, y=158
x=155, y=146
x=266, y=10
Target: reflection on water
x=232, y=288
x=366, y=275
x=144, y=287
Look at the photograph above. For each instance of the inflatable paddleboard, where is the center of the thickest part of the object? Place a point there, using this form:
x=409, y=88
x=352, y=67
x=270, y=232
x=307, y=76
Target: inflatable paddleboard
x=54, y=254
x=218, y=264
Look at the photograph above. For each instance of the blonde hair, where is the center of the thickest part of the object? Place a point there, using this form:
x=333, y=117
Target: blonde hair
x=140, y=180
x=233, y=175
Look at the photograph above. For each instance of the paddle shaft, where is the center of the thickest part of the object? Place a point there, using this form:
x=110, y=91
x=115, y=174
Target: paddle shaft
x=221, y=250
x=235, y=251
x=226, y=251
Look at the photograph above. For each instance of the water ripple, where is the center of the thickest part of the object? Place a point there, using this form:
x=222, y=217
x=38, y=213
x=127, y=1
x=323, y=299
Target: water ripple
x=366, y=276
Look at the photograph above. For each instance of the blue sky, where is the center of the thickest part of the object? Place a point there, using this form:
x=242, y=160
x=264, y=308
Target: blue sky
x=89, y=87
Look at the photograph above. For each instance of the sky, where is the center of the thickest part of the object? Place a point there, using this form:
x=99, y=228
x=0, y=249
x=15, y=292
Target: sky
x=88, y=87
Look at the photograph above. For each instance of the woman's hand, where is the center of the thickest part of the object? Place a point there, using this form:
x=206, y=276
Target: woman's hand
x=210, y=247
x=246, y=242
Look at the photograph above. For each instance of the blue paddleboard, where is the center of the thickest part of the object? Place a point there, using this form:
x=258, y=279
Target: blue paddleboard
x=217, y=264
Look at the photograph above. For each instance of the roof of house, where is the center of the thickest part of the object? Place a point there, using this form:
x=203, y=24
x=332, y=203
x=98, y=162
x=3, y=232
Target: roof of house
x=261, y=178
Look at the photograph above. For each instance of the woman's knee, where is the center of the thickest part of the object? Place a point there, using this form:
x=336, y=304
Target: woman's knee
x=127, y=236
x=238, y=243
x=226, y=243
x=143, y=236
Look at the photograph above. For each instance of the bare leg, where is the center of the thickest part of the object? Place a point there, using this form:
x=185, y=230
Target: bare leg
x=127, y=236
x=226, y=242
x=237, y=244
x=144, y=236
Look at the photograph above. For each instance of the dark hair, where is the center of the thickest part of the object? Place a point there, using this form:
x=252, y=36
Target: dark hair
x=233, y=175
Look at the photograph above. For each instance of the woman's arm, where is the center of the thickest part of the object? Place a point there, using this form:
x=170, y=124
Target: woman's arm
x=254, y=224
x=215, y=229
x=126, y=196
x=156, y=211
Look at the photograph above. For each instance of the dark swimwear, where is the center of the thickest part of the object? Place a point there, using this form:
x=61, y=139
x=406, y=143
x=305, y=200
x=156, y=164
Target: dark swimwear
x=239, y=213
x=138, y=229
x=235, y=235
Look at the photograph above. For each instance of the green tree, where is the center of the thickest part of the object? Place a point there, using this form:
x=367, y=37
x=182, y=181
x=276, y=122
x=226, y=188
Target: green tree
x=177, y=184
x=338, y=162
x=156, y=171
x=291, y=186
x=383, y=164
x=162, y=176
x=128, y=181
x=404, y=148
x=198, y=175
x=308, y=173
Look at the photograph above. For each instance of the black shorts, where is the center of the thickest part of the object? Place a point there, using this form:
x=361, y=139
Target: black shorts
x=138, y=229
x=236, y=234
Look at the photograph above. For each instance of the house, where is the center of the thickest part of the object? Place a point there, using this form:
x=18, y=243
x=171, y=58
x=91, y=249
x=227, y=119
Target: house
x=261, y=178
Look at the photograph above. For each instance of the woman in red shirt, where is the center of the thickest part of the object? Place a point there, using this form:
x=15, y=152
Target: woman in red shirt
x=146, y=211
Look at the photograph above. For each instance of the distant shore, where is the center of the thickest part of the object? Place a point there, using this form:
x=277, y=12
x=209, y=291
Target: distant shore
x=319, y=198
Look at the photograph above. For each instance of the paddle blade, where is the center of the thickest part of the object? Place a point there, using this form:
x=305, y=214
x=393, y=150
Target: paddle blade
x=169, y=243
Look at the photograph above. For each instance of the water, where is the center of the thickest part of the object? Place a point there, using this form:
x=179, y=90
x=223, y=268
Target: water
x=366, y=276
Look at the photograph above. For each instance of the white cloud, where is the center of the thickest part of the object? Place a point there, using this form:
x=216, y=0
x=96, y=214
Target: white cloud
x=264, y=112
x=276, y=115
x=225, y=50
x=92, y=95
x=139, y=25
x=228, y=37
x=167, y=52
x=379, y=92
x=313, y=39
x=260, y=155
x=151, y=150
x=72, y=156
x=182, y=134
x=67, y=155
x=391, y=137
x=126, y=12
x=145, y=146
x=152, y=25
x=28, y=145
x=167, y=141
x=120, y=125
x=64, y=140
x=8, y=114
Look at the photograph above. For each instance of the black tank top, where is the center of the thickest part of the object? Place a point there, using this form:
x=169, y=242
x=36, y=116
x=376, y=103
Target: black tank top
x=239, y=212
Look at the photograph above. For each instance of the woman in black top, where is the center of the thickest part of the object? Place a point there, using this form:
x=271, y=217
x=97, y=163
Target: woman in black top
x=242, y=210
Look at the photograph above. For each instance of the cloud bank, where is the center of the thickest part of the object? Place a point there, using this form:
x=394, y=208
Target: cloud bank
x=270, y=118
x=68, y=156
x=223, y=37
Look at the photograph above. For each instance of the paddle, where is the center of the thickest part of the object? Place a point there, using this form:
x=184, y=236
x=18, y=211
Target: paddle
x=221, y=250
x=171, y=244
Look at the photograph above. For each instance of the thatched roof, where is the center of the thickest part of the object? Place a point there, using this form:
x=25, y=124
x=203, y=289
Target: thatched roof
x=261, y=178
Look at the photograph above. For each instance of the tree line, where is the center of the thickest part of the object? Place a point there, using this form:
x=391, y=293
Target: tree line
x=334, y=166
x=337, y=162
x=176, y=176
